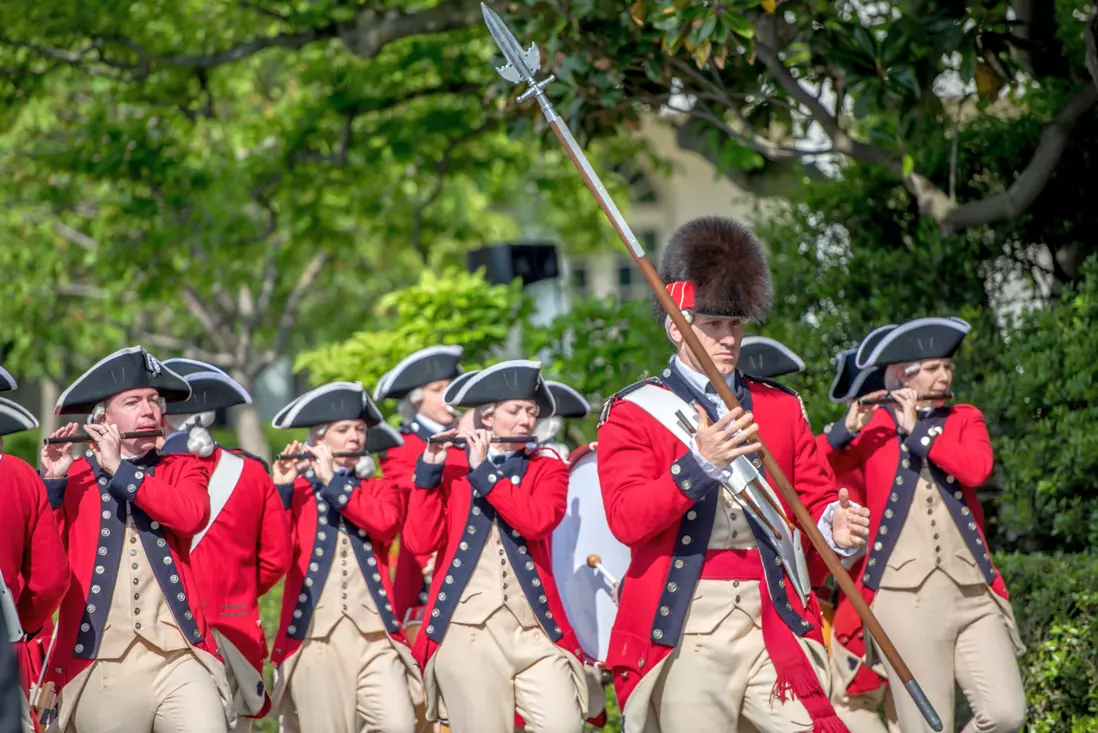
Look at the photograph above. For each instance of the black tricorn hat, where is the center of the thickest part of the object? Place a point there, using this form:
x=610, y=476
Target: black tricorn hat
x=766, y=358
x=569, y=402
x=518, y=379
x=851, y=382
x=329, y=403
x=15, y=418
x=869, y=343
x=210, y=391
x=425, y=366
x=725, y=262
x=7, y=381
x=916, y=340
x=455, y=386
x=125, y=369
x=382, y=437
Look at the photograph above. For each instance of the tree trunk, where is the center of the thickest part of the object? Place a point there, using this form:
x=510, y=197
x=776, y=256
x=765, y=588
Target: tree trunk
x=48, y=392
x=248, y=423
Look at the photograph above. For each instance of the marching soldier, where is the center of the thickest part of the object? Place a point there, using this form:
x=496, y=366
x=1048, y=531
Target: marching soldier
x=133, y=649
x=496, y=641
x=343, y=664
x=717, y=622
x=34, y=569
x=857, y=692
x=419, y=382
x=928, y=571
x=244, y=548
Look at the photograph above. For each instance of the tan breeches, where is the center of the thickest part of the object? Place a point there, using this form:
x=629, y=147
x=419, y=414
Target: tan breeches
x=488, y=671
x=149, y=691
x=947, y=632
x=723, y=680
x=351, y=683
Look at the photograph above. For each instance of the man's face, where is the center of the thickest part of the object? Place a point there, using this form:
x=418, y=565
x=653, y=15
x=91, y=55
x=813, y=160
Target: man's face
x=720, y=337
x=935, y=376
x=134, y=410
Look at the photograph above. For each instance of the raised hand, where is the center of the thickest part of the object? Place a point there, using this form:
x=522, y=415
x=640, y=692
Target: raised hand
x=859, y=415
x=477, y=443
x=106, y=445
x=849, y=523
x=907, y=400
x=56, y=458
x=323, y=462
x=436, y=452
x=727, y=439
x=285, y=472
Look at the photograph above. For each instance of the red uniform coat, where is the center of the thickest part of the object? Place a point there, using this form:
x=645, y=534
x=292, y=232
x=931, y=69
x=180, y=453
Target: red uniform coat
x=399, y=465
x=32, y=558
x=533, y=508
x=961, y=458
x=242, y=555
x=174, y=498
x=376, y=506
x=852, y=481
x=646, y=499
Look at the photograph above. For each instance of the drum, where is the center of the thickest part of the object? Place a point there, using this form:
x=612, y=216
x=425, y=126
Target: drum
x=585, y=591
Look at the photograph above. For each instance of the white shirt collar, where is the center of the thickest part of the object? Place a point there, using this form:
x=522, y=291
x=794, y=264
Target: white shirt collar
x=698, y=379
x=430, y=424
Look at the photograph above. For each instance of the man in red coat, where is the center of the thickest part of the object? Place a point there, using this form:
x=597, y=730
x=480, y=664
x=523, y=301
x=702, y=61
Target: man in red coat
x=717, y=620
x=133, y=648
x=245, y=547
x=928, y=571
x=34, y=570
x=419, y=382
x=858, y=710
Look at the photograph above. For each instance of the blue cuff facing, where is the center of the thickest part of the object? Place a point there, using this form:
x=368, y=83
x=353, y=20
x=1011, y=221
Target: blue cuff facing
x=126, y=481
x=339, y=489
x=691, y=478
x=428, y=475
x=484, y=478
x=55, y=490
x=286, y=494
x=838, y=437
x=922, y=438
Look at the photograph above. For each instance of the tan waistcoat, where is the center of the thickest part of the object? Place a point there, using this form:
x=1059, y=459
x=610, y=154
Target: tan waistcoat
x=138, y=607
x=714, y=600
x=493, y=585
x=929, y=541
x=345, y=594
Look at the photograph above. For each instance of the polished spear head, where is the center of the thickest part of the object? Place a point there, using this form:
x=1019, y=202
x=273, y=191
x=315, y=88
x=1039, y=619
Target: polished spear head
x=521, y=65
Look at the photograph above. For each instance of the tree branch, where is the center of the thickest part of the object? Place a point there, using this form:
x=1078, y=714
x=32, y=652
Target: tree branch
x=202, y=314
x=293, y=302
x=1090, y=33
x=932, y=200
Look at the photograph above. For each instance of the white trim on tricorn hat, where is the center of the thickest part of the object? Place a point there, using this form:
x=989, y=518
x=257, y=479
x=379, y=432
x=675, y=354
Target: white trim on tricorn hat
x=7, y=381
x=425, y=366
x=772, y=358
x=569, y=402
x=185, y=367
x=918, y=339
x=15, y=418
x=383, y=437
x=125, y=369
x=210, y=391
x=864, y=381
x=517, y=379
x=329, y=403
x=869, y=343
x=456, y=384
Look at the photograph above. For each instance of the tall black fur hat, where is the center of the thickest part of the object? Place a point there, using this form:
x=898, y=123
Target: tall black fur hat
x=725, y=262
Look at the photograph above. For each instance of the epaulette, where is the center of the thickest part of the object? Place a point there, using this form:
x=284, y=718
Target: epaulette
x=788, y=390
x=622, y=393
x=253, y=456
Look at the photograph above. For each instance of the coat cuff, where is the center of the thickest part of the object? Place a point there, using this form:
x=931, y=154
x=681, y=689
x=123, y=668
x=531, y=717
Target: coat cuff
x=286, y=494
x=922, y=438
x=838, y=436
x=428, y=475
x=339, y=489
x=126, y=481
x=484, y=478
x=691, y=478
x=55, y=490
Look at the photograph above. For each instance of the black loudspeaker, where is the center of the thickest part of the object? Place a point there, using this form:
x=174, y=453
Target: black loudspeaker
x=502, y=263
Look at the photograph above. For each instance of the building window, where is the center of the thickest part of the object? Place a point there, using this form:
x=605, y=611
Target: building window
x=641, y=190
x=650, y=240
x=630, y=284
x=579, y=283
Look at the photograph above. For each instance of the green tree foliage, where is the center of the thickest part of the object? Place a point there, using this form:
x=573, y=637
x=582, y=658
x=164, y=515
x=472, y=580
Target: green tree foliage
x=449, y=307
x=878, y=83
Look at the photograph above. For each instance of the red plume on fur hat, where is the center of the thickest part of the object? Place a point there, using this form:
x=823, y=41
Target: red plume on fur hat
x=725, y=262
